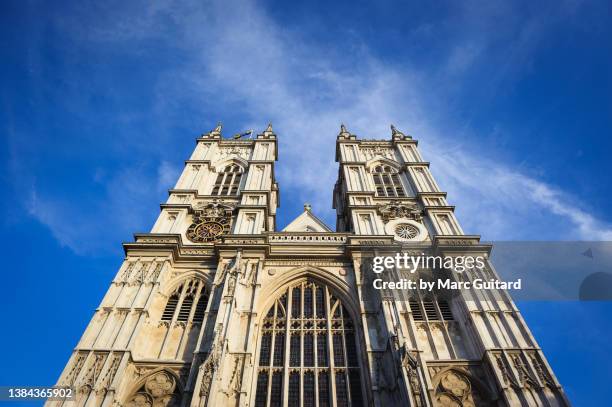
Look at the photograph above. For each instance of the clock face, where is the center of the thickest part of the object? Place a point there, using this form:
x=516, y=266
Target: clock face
x=209, y=224
x=208, y=231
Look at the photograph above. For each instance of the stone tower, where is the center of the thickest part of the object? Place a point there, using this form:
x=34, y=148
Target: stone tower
x=215, y=307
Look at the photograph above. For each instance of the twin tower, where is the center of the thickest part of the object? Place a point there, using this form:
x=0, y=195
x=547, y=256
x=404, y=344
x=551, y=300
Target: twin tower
x=217, y=307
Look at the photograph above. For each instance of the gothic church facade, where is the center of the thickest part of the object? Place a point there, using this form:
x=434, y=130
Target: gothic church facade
x=216, y=307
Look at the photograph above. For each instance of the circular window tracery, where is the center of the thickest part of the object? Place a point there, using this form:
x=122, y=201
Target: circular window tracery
x=406, y=231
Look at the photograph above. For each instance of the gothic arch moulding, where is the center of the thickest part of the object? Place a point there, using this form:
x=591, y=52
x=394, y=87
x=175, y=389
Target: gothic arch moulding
x=221, y=164
x=371, y=164
x=169, y=286
x=159, y=388
x=273, y=289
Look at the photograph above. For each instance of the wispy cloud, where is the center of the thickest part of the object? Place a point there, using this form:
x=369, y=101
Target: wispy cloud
x=167, y=175
x=84, y=223
x=262, y=71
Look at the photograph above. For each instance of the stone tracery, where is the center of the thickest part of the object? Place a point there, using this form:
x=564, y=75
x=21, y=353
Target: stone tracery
x=311, y=322
x=160, y=389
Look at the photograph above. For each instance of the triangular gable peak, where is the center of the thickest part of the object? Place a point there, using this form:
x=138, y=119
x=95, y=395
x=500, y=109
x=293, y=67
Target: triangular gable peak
x=307, y=222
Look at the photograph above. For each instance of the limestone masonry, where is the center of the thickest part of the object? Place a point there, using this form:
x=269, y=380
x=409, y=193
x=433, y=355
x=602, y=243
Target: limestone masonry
x=216, y=307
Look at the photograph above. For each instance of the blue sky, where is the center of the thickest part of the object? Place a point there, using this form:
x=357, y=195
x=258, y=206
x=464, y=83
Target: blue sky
x=101, y=103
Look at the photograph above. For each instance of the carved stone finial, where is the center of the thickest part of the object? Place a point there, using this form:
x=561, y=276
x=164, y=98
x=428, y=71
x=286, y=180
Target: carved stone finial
x=214, y=133
x=307, y=207
x=396, y=134
x=268, y=133
x=344, y=133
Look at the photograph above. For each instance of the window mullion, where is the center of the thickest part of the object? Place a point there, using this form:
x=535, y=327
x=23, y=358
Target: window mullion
x=444, y=323
x=179, y=304
x=238, y=180
x=301, y=333
x=223, y=183
x=230, y=186
x=315, y=345
x=330, y=361
x=271, y=357
x=346, y=360
x=286, y=362
x=316, y=382
x=394, y=184
x=301, y=373
x=195, y=302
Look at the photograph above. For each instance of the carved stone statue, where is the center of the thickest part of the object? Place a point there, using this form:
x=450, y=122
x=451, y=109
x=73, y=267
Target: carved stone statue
x=211, y=364
x=395, y=210
x=411, y=364
x=248, y=278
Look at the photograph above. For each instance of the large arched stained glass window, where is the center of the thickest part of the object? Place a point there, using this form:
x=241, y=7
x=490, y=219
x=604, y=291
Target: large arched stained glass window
x=308, y=352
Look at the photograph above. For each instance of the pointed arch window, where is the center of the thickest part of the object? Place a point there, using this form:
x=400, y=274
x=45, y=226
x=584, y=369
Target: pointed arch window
x=387, y=182
x=308, y=351
x=228, y=181
x=187, y=303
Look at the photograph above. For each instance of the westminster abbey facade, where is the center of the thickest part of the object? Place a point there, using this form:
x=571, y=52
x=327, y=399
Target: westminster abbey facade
x=217, y=307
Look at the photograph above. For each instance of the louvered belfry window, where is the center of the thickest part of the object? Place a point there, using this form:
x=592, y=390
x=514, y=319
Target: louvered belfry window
x=387, y=182
x=187, y=303
x=308, y=351
x=433, y=309
x=228, y=181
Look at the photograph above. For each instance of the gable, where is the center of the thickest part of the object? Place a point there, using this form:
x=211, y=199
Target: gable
x=307, y=222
